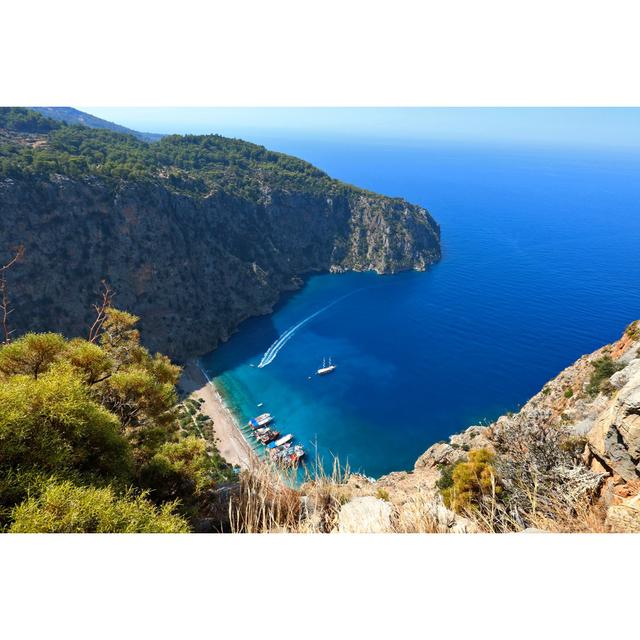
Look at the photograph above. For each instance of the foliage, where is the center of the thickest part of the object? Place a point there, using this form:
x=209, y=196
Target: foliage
x=179, y=471
x=633, y=330
x=63, y=507
x=603, y=369
x=189, y=164
x=52, y=424
x=471, y=481
x=25, y=120
x=568, y=393
x=102, y=416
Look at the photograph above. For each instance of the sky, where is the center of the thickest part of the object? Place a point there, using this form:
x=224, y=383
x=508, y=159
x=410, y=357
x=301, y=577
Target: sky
x=591, y=127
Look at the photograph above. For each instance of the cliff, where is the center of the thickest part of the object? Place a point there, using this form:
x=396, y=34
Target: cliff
x=194, y=233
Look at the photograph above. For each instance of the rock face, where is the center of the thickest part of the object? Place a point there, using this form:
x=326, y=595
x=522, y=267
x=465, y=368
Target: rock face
x=365, y=515
x=615, y=437
x=192, y=268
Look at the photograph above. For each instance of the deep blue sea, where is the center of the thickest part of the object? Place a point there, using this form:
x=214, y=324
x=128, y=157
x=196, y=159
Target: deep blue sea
x=541, y=264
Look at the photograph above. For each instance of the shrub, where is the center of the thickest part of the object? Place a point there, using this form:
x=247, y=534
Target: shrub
x=470, y=482
x=603, y=369
x=568, y=393
x=63, y=507
x=633, y=330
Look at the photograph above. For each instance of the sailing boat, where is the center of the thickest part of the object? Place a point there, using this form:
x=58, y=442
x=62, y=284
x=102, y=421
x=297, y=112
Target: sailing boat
x=325, y=368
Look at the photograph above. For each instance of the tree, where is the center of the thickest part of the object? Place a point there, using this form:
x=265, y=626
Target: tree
x=179, y=471
x=52, y=424
x=63, y=507
x=31, y=355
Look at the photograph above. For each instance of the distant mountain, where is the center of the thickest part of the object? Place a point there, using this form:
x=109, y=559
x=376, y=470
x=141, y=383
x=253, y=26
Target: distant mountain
x=73, y=116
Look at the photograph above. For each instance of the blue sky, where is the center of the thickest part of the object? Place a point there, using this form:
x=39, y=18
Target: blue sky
x=610, y=127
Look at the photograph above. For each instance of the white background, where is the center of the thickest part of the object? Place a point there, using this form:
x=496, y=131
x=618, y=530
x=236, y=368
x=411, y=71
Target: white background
x=288, y=53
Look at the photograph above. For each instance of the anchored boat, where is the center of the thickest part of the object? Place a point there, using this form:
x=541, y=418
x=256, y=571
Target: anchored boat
x=260, y=421
x=282, y=441
x=325, y=368
x=266, y=435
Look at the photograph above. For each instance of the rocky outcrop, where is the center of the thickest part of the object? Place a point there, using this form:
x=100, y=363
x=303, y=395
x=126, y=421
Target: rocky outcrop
x=365, y=515
x=615, y=437
x=191, y=267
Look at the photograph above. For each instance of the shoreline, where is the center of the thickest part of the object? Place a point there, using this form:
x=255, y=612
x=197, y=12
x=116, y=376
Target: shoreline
x=229, y=440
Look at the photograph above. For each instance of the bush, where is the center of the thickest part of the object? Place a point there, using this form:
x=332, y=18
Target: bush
x=469, y=482
x=568, y=393
x=63, y=507
x=603, y=369
x=633, y=330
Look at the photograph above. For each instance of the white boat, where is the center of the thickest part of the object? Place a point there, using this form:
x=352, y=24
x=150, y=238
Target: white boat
x=261, y=421
x=283, y=440
x=325, y=368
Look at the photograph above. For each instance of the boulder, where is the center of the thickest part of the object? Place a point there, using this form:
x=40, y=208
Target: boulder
x=365, y=515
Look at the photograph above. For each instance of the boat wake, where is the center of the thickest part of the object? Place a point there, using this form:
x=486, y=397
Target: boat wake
x=271, y=353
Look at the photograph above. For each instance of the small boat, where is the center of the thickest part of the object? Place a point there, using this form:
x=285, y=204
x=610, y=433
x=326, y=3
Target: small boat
x=289, y=456
x=282, y=441
x=326, y=368
x=260, y=421
x=267, y=435
x=260, y=404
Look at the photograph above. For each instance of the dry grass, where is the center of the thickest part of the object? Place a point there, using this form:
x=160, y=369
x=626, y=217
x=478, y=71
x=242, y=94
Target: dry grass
x=270, y=499
x=418, y=515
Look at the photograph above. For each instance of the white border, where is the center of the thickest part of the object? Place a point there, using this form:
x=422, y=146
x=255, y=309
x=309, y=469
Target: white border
x=335, y=52
x=338, y=52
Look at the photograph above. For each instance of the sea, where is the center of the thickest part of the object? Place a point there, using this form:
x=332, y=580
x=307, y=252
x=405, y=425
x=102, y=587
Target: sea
x=540, y=265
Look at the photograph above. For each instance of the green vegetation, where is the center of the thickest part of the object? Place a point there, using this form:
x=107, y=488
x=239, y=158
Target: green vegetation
x=91, y=439
x=191, y=164
x=633, y=330
x=464, y=484
x=62, y=507
x=603, y=369
x=568, y=393
x=25, y=121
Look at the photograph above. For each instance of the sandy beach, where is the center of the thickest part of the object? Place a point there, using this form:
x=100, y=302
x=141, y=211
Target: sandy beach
x=229, y=440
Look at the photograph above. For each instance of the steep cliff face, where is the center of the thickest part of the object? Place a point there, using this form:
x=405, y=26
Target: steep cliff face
x=192, y=267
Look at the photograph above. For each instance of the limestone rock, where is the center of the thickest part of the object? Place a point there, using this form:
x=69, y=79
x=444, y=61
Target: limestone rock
x=625, y=517
x=365, y=515
x=615, y=437
x=621, y=378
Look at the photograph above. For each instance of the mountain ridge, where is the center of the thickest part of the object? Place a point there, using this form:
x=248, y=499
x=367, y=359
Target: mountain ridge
x=70, y=115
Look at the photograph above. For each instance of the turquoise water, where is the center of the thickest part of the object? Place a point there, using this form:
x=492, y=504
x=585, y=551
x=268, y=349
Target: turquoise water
x=541, y=264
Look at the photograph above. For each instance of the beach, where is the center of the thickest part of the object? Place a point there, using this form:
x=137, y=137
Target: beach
x=229, y=440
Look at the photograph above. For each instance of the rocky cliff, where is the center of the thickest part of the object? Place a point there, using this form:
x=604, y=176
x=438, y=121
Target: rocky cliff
x=195, y=234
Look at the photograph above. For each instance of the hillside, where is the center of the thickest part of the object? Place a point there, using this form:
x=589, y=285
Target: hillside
x=69, y=115
x=194, y=233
